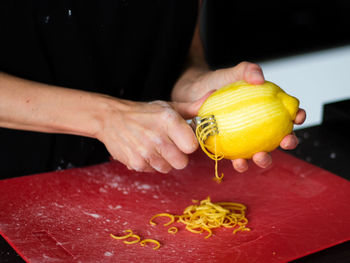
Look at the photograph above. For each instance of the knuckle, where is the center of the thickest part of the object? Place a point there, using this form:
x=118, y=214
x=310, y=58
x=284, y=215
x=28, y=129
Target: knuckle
x=255, y=67
x=158, y=163
x=161, y=145
x=169, y=115
x=152, y=159
x=243, y=64
x=161, y=103
x=166, y=111
x=165, y=148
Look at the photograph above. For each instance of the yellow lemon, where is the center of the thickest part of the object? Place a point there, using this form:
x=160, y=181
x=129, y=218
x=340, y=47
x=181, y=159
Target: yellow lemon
x=249, y=119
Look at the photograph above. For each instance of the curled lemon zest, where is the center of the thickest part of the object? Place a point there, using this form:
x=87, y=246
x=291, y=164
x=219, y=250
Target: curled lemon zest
x=172, y=230
x=210, y=232
x=123, y=237
x=206, y=216
x=137, y=239
x=172, y=219
x=194, y=228
x=144, y=241
x=203, y=130
x=237, y=229
x=202, y=134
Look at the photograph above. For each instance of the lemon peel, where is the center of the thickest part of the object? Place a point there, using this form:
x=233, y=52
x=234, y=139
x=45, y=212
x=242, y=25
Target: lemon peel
x=172, y=230
x=248, y=119
x=172, y=219
x=137, y=239
x=144, y=241
x=123, y=237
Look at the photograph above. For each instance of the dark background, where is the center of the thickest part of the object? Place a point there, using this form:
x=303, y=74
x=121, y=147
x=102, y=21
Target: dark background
x=261, y=30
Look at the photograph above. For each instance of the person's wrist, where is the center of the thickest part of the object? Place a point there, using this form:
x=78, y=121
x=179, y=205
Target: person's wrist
x=190, y=85
x=108, y=109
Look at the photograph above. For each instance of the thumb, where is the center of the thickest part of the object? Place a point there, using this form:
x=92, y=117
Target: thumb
x=189, y=110
x=250, y=72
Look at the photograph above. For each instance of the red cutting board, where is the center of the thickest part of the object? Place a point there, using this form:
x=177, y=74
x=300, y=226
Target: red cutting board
x=294, y=209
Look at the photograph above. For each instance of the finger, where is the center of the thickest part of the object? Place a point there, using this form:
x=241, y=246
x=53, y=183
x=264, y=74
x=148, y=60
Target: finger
x=139, y=164
x=188, y=110
x=262, y=159
x=173, y=155
x=289, y=142
x=254, y=74
x=131, y=157
x=249, y=72
x=158, y=163
x=300, y=117
x=182, y=135
x=240, y=165
x=131, y=152
x=143, y=152
x=136, y=164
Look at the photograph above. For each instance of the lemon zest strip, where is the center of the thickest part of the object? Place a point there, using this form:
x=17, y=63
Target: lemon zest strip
x=123, y=237
x=202, y=134
x=137, y=239
x=172, y=219
x=144, y=241
x=172, y=230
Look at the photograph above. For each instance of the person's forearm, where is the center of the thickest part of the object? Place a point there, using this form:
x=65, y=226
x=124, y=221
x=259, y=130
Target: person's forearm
x=145, y=136
x=29, y=105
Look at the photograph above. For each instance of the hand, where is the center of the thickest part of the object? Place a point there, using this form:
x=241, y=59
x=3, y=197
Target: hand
x=143, y=136
x=263, y=159
x=205, y=81
x=149, y=136
x=213, y=80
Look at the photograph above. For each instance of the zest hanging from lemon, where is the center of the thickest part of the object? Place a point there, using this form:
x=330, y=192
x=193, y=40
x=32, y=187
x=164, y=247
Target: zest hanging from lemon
x=242, y=119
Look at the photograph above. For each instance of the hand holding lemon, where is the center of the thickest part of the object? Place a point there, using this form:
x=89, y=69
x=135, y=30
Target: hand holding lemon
x=205, y=83
x=242, y=120
x=250, y=118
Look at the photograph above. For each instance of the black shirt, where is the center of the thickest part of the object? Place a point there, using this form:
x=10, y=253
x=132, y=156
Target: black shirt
x=131, y=49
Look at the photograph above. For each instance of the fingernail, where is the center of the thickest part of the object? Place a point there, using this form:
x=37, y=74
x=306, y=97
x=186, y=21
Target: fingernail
x=158, y=169
x=284, y=144
x=258, y=75
x=292, y=143
x=242, y=168
x=265, y=163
